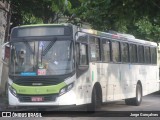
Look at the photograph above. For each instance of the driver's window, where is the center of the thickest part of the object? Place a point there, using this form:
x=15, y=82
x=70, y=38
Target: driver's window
x=82, y=48
x=83, y=54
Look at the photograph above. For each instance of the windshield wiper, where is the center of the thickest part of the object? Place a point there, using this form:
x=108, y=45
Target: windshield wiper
x=48, y=47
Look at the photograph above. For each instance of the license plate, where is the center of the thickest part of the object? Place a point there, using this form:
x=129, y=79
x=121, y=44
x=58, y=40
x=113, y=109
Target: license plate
x=41, y=71
x=37, y=99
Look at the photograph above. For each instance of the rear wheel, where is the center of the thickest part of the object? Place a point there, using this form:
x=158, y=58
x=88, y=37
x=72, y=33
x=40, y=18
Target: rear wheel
x=138, y=99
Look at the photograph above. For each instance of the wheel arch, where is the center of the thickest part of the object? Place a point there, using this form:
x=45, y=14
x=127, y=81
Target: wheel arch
x=98, y=88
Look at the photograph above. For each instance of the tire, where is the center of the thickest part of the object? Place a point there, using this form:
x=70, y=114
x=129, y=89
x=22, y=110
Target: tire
x=128, y=101
x=138, y=99
x=92, y=106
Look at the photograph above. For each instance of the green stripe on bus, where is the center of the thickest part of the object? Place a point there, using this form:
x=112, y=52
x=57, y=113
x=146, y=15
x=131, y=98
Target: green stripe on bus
x=92, y=75
x=37, y=90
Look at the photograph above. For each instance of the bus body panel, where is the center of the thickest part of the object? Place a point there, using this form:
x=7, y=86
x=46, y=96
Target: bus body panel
x=83, y=88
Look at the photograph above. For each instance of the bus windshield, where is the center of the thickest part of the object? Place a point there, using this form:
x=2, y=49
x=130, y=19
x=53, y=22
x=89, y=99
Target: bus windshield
x=36, y=58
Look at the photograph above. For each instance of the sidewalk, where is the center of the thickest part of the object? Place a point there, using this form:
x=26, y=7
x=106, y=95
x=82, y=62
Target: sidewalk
x=2, y=103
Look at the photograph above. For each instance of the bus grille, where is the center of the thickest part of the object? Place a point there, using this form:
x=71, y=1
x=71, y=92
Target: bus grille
x=28, y=98
x=36, y=82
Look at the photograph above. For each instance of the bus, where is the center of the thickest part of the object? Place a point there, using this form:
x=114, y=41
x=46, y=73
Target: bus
x=63, y=64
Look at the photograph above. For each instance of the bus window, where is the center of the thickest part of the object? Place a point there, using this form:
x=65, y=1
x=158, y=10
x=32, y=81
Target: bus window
x=77, y=53
x=83, y=54
x=153, y=55
x=106, y=47
x=141, y=54
x=94, y=48
x=147, y=55
x=124, y=52
x=81, y=58
x=115, y=51
x=82, y=37
x=133, y=53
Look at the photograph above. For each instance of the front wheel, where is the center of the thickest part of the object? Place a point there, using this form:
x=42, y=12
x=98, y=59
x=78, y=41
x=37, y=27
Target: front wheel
x=92, y=106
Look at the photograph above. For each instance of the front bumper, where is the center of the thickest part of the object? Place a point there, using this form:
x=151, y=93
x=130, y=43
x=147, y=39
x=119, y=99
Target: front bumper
x=69, y=98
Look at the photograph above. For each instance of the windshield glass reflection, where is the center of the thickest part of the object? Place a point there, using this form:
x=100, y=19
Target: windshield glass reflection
x=42, y=58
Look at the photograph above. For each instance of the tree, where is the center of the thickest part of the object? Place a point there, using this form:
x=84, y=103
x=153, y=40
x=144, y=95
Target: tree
x=140, y=18
x=38, y=11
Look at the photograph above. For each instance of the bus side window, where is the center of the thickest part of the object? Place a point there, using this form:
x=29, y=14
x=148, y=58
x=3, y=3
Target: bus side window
x=140, y=54
x=133, y=53
x=94, y=48
x=115, y=51
x=82, y=48
x=124, y=52
x=153, y=55
x=77, y=53
x=81, y=58
x=147, y=55
x=83, y=54
x=106, y=50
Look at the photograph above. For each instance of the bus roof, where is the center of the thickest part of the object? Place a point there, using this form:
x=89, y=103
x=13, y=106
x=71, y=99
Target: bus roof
x=36, y=25
x=145, y=42
x=119, y=37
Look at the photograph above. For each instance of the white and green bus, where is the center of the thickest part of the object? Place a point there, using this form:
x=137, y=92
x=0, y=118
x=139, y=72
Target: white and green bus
x=62, y=64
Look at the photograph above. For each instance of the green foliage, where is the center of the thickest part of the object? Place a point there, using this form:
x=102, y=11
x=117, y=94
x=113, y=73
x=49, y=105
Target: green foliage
x=140, y=18
x=38, y=11
x=31, y=19
x=144, y=27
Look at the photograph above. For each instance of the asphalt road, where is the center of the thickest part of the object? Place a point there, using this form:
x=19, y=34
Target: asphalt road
x=150, y=107
x=149, y=103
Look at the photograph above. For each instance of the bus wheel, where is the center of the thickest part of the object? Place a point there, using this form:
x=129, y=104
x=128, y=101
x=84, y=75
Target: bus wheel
x=92, y=106
x=138, y=99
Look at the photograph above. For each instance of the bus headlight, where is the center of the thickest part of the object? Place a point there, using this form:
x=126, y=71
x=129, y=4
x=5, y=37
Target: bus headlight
x=13, y=91
x=66, y=89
